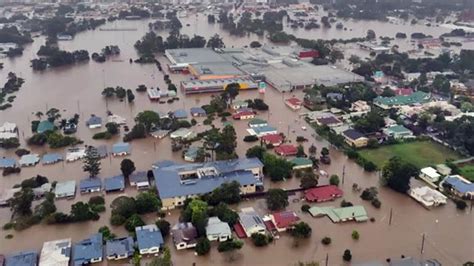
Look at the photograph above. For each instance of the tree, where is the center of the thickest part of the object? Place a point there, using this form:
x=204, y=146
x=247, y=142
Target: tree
x=230, y=245
x=127, y=167
x=232, y=90
x=326, y=241
x=21, y=202
x=120, y=92
x=228, y=193
x=203, y=246
x=370, y=35
x=123, y=206
x=130, y=96
x=148, y=118
x=46, y=207
x=147, y=202
x=277, y=168
x=108, y=92
x=106, y=233
x=300, y=151
x=81, y=211
x=255, y=44
x=164, y=227
x=92, y=162
x=112, y=128
x=255, y=152
x=369, y=193
x=397, y=173
x=164, y=260
x=215, y=42
x=301, y=230
x=347, y=256
x=259, y=240
x=355, y=235
x=312, y=150
x=228, y=141
x=196, y=212
x=225, y=214
x=133, y=221
x=334, y=180
x=308, y=180
x=325, y=151
x=277, y=199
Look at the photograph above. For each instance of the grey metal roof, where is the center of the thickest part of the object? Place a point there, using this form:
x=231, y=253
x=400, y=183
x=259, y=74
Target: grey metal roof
x=94, y=120
x=90, y=183
x=102, y=151
x=51, y=158
x=148, y=236
x=198, y=111
x=65, y=188
x=29, y=159
x=114, y=183
x=194, y=55
x=249, y=219
x=217, y=227
x=23, y=258
x=138, y=177
x=87, y=249
x=216, y=68
x=119, y=246
x=180, y=113
x=169, y=185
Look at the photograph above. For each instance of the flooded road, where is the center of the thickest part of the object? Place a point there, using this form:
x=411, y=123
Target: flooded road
x=77, y=89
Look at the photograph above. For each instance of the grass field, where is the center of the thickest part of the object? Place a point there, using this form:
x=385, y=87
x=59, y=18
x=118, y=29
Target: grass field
x=419, y=153
x=467, y=172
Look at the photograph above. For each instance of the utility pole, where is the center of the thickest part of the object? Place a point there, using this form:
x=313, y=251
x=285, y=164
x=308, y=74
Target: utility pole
x=327, y=259
x=423, y=244
x=343, y=173
x=390, y=219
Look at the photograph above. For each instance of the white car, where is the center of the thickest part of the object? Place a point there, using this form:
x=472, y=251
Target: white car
x=303, y=128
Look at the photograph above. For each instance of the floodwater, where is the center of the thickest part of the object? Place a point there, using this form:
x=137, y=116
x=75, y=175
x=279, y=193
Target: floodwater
x=77, y=89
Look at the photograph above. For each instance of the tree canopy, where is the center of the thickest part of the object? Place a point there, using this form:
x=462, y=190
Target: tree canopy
x=397, y=173
x=277, y=199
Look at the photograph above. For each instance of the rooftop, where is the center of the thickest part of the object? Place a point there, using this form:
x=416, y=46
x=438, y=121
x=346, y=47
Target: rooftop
x=217, y=227
x=44, y=126
x=301, y=161
x=416, y=97
x=249, y=218
x=7, y=162
x=336, y=215
x=398, y=129
x=121, y=147
x=65, y=188
x=193, y=55
x=51, y=158
x=137, y=177
x=322, y=193
x=180, y=113
x=148, y=236
x=353, y=134
x=197, y=111
x=114, y=183
x=119, y=246
x=29, y=159
x=257, y=121
x=461, y=185
x=184, y=232
x=285, y=219
x=23, y=258
x=87, y=249
x=286, y=149
x=57, y=252
x=90, y=183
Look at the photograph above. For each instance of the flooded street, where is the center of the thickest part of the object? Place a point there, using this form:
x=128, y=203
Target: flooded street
x=77, y=89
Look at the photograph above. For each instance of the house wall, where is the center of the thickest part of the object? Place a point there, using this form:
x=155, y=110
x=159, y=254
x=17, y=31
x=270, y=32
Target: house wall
x=358, y=143
x=254, y=229
x=151, y=250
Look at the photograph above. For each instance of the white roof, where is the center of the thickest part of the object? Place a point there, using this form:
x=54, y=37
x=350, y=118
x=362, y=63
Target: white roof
x=56, y=253
x=8, y=135
x=116, y=119
x=8, y=127
x=428, y=196
x=431, y=172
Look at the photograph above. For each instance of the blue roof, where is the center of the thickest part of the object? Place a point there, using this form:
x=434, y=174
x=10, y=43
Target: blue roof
x=94, y=120
x=102, y=150
x=23, y=258
x=44, y=125
x=198, y=111
x=121, y=147
x=164, y=163
x=259, y=130
x=180, y=113
x=459, y=185
x=51, y=158
x=169, y=185
x=87, y=249
x=119, y=246
x=90, y=183
x=148, y=236
x=7, y=162
x=114, y=183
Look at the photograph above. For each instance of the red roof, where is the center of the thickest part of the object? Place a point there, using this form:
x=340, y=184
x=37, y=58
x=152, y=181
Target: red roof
x=270, y=226
x=294, y=101
x=323, y=193
x=286, y=150
x=244, y=113
x=404, y=91
x=273, y=138
x=239, y=230
x=285, y=219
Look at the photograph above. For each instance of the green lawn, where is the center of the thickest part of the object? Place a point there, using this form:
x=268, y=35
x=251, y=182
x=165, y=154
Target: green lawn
x=419, y=153
x=467, y=172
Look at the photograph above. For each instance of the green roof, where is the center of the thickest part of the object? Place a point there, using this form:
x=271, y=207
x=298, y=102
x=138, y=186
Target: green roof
x=257, y=121
x=398, y=129
x=416, y=97
x=336, y=215
x=300, y=161
x=44, y=126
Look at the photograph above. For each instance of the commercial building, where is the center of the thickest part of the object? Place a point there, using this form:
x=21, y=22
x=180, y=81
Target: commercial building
x=354, y=138
x=88, y=251
x=56, y=253
x=217, y=230
x=344, y=214
x=216, y=85
x=177, y=182
x=149, y=239
x=418, y=97
x=322, y=193
x=66, y=189
x=427, y=196
x=184, y=235
x=119, y=248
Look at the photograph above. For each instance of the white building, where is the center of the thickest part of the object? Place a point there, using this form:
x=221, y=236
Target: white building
x=428, y=197
x=251, y=222
x=56, y=253
x=430, y=174
x=217, y=230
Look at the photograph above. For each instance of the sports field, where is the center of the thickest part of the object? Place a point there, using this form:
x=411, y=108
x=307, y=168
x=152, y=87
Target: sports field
x=467, y=172
x=419, y=153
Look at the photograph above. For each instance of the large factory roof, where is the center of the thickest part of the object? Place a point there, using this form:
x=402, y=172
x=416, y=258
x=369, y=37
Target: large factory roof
x=193, y=56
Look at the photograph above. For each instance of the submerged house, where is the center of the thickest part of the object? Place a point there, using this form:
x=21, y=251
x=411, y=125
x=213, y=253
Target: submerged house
x=88, y=251
x=251, y=222
x=114, y=183
x=139, y=180
x=184, y=235
x=119, y=248
x=23, y=258
x=217, y=230
x=149, y=239
x=29, y=160
x=66, y=189
x=90, y=185
x=121, y=149
x=56, y=253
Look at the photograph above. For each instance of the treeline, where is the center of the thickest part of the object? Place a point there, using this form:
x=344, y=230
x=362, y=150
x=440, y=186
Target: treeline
x=271, y=22
x=54, y=57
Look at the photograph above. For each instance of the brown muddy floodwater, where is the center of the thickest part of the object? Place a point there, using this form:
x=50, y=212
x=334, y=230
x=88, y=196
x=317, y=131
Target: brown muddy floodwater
x=76, y=89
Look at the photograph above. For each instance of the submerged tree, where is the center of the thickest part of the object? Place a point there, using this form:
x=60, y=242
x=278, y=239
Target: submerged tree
x=92, y=162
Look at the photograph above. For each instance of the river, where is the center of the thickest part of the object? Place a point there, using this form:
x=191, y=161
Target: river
x=77, y=89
